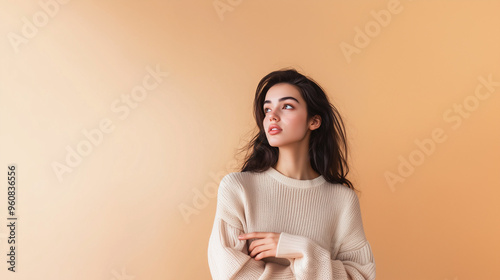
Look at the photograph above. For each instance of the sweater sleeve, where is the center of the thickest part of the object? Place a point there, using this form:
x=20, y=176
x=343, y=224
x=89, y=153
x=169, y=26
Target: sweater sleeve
x=354, y=259
x=228, y=256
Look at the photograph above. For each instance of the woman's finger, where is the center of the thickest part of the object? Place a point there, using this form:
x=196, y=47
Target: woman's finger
x=262, y=248
x=255, y=243
x=253, y=235
x=270, y=239
x=264, y=254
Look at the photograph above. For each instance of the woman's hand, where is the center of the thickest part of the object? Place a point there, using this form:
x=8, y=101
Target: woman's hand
x=264, y=247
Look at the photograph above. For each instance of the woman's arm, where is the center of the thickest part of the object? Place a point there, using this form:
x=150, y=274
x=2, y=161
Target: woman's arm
x=308, y=260
x=228, y=256
x=354, y=259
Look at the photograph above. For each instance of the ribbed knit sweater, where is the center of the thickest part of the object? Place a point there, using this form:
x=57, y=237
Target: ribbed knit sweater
x=320, y=226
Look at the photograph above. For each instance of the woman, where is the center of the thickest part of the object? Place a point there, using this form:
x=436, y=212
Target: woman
x=291, y=213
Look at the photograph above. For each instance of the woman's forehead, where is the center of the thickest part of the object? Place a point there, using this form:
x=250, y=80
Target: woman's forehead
x=283, y=91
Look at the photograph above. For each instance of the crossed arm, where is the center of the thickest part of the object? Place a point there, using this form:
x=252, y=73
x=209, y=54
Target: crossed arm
x=230, y=259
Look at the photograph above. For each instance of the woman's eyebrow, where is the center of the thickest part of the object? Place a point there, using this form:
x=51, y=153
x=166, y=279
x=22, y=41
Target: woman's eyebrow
x=283, y=98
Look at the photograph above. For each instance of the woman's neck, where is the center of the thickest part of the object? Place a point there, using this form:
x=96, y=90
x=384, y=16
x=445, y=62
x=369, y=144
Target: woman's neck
x=297, y=171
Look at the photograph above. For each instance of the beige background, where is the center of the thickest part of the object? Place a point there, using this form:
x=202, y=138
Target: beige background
x=67, y=67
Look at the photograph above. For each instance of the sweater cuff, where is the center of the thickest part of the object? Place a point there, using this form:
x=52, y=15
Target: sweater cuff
x=291, y=246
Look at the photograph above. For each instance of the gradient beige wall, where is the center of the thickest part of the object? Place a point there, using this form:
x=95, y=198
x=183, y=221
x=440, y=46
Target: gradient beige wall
x=419, y=91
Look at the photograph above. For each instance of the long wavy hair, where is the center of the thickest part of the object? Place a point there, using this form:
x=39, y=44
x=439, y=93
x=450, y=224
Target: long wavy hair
x=327, y=145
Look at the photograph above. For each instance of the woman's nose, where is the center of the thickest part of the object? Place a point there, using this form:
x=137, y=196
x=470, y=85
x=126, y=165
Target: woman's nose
x=273, y=115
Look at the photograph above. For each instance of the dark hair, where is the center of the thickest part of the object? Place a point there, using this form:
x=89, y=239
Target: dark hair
x=327, y=144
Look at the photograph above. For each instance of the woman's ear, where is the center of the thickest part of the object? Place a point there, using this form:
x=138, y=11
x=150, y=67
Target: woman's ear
x=315, y=122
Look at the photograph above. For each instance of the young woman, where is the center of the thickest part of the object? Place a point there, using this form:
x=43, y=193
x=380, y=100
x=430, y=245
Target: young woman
x=291, y=213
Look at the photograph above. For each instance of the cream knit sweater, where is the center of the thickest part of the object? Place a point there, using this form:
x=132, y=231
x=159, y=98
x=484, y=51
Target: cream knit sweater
x=322, y=235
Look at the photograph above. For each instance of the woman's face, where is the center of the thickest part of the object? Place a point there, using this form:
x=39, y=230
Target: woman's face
x=284, y=106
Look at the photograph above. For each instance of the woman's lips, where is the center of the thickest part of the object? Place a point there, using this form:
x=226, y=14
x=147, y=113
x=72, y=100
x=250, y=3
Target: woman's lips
x=274, y=131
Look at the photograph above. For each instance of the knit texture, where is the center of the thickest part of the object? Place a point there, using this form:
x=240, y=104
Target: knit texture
x=320, y=226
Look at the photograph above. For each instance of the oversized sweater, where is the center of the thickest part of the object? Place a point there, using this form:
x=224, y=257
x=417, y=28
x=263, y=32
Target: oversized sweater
x=320, y=226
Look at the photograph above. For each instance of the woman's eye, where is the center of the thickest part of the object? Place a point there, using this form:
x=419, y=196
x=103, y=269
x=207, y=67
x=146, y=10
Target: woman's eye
x=265, y=109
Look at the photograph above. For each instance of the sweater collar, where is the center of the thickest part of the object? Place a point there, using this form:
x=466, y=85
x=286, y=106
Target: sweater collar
x=288, y=181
